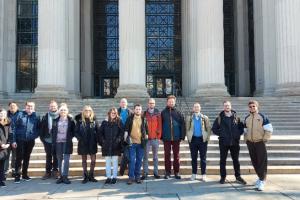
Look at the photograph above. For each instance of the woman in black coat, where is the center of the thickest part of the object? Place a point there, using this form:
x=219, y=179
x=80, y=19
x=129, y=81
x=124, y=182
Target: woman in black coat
x=86, y=134
x=110, y=138
x=4, y=122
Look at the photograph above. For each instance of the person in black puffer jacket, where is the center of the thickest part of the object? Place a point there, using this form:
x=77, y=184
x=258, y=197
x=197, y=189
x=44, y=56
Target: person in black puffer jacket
x=86, y=134
x=110, y=138
x=229, y=128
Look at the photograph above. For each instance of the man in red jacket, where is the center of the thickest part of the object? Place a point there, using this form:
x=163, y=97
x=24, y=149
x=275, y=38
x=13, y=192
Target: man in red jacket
x=153, y=117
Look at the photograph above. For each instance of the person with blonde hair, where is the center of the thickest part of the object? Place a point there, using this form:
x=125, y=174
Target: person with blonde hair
x=63, y=131
x=110, y=138
x=86, y=134
x=4, y=145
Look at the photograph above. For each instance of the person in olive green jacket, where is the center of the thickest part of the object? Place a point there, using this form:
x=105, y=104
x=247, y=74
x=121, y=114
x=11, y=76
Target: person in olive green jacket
x=198, y=131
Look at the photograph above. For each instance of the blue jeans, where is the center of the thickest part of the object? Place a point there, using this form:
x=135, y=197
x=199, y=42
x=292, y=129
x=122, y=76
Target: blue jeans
x=62, y=159
x=136, y=154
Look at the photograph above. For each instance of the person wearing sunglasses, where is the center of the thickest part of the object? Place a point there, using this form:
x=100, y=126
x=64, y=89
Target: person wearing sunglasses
x=258, y=131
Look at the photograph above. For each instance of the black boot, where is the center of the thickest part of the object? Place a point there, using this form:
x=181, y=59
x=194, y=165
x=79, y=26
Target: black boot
x=92, y=178
x=85, y=178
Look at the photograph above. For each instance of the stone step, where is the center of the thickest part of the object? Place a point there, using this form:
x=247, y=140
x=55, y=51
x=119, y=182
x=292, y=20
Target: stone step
x=272, y=161
x=186, y=154
x=184, y=170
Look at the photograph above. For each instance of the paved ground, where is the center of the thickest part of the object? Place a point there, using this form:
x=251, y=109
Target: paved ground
x=278, y=187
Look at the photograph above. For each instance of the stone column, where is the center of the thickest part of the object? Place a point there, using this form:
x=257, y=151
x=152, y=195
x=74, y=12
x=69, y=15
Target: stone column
x=1, y=48
x=73, y=48
x=265, y=47
x=241, y=50
x=8, y=14
x=52, y=58
x=132, y=49
x=288, y=47
x=86, y=53
x=205, y=48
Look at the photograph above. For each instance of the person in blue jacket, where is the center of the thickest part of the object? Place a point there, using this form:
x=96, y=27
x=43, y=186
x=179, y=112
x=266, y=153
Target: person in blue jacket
x=25, y=130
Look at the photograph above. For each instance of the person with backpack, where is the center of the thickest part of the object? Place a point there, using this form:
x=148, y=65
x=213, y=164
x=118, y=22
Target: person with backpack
x=198, y=130
x=229, y=128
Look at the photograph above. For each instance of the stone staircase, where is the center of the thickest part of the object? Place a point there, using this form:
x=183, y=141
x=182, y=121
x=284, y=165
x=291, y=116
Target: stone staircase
x=283, y=149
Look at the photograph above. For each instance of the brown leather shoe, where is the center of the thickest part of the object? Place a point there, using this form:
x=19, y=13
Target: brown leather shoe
x=46, y=176
x=130, y=182
x=55, y=174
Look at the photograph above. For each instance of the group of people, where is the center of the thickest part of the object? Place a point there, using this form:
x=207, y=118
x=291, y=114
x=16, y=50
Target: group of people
x=130, y=135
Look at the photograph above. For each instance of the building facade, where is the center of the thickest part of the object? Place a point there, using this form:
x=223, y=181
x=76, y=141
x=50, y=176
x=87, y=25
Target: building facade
x=140, y=48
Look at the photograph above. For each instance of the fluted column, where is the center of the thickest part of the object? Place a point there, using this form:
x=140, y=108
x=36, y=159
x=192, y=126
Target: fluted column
x=52, y=45
x=265, y=47
x=206, y=48
x=132, y=49
x=2, y=48
x=288, y=47
x=8, y=15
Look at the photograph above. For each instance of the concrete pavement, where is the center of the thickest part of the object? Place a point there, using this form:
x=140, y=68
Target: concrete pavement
x=277, y=187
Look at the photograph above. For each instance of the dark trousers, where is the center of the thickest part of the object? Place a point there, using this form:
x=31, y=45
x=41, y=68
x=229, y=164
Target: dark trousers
x=234, y=152
x=51, y=159
x=2, y=162
x=124, y=161
x=259, y=158
x=174, y=145
x=198, y=146
x=23, y=151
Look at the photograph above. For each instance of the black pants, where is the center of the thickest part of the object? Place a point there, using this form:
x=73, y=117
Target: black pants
x=2, y=162
x=51, y=159
x=234, y=152
x=124, y=161
x=197, y=145
x=259, y=158
x=23, y=151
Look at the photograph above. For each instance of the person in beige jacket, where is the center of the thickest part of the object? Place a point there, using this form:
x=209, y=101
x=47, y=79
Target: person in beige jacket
x=198, y=130
x=257, y=132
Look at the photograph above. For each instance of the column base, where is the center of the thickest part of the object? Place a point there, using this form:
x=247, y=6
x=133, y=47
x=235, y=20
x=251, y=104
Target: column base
x=211, y=90
x=50, y=92
x=3, y=95
x=267, y=92
x=132, y=91
x=288, y=89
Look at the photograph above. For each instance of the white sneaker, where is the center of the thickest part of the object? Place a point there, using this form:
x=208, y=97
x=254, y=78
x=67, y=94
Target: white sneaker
x=256, y=184
x=193, y=177
x=204, y=177
x=261, y=186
